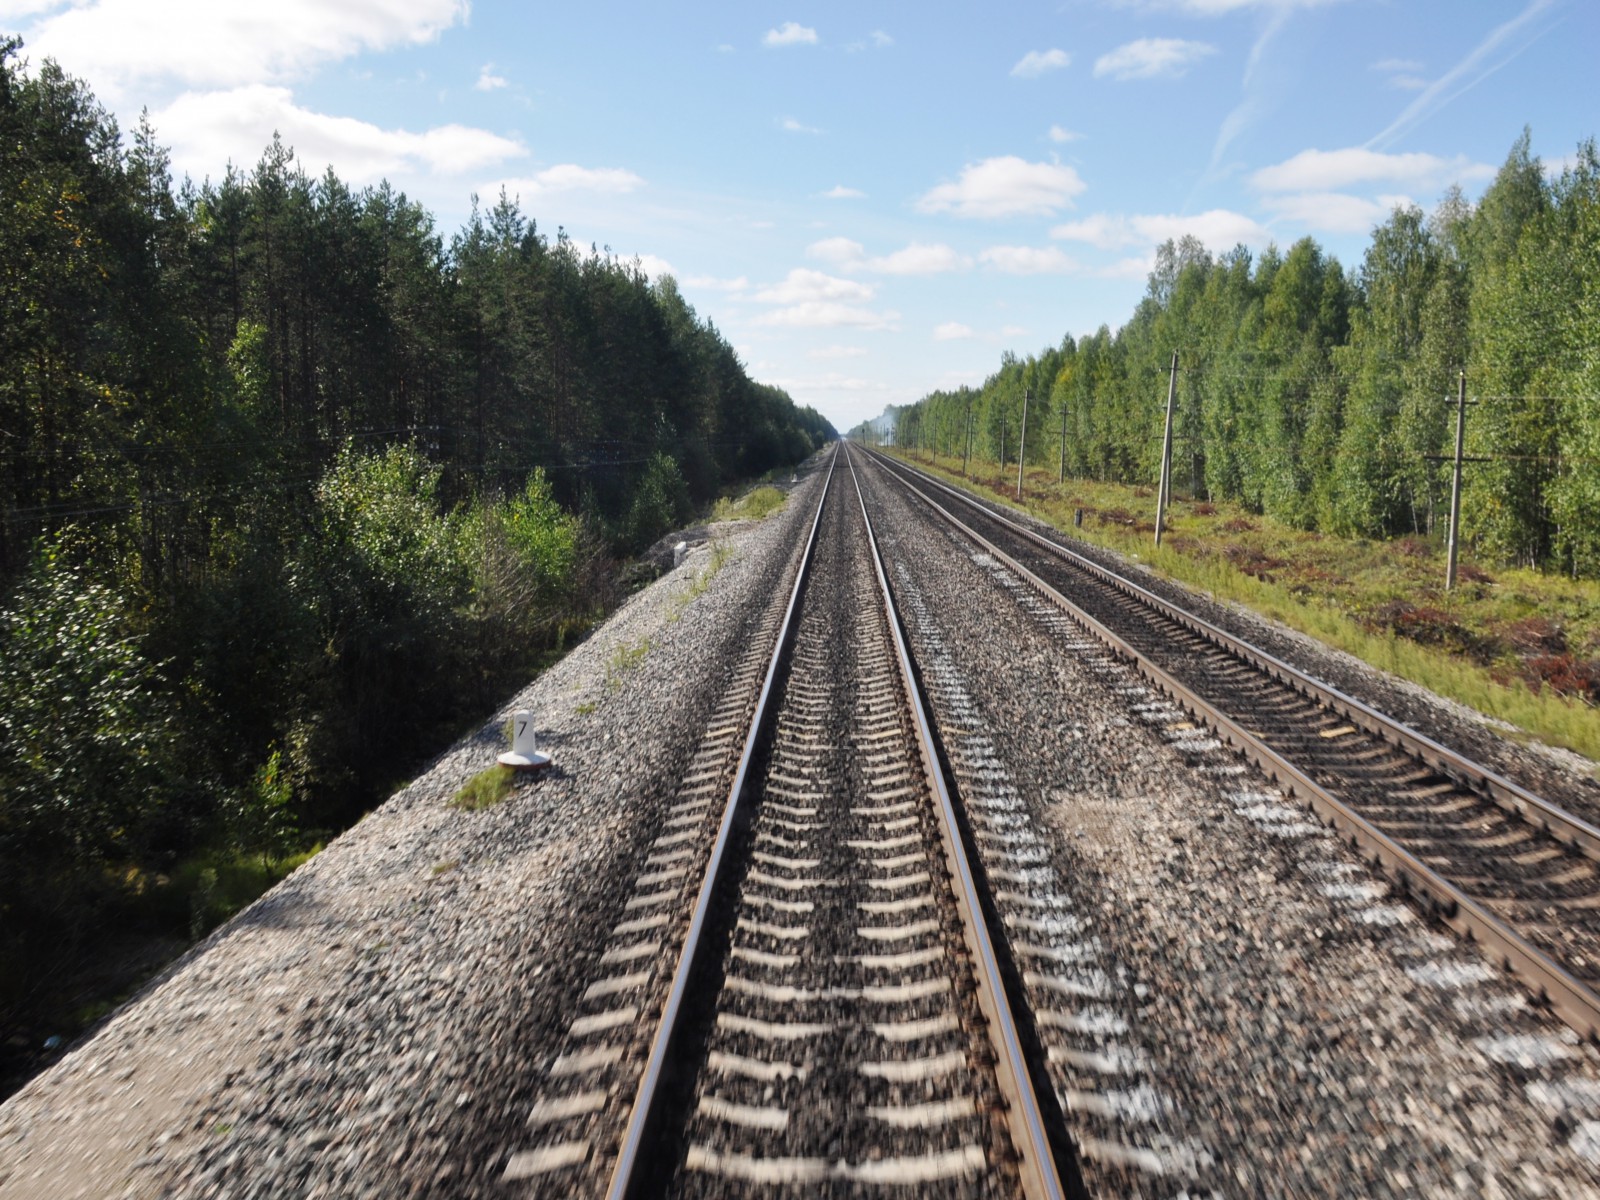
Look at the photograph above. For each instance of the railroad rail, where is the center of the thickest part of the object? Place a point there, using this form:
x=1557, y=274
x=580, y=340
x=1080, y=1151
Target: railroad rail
x=1498, y=863
x=837, y=1017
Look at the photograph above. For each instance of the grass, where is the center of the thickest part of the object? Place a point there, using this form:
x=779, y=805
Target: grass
x=721, y=556
x=752, y=506
x=216, y=886
x=484, y=790
x=623, y=660
x=1519, y=646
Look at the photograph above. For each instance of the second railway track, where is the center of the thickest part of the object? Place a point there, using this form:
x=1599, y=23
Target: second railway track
x=1511, y=870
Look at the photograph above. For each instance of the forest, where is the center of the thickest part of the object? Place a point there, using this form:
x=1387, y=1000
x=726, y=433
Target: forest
x=1327, y=398
x=293, y=488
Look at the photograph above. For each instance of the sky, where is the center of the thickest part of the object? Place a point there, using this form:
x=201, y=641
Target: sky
x=871, y=201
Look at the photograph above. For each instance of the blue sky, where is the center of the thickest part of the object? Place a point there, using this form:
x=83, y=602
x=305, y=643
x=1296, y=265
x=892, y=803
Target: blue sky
x=869, y=200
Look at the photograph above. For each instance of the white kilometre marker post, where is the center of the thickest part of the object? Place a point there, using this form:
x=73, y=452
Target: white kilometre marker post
x=524, y=753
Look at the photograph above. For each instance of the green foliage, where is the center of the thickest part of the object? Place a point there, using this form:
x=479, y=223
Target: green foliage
x=88, y=750
x=383, y=512
x=623, y=660
x=752, y=506
x=1323, y=399
x=264, y=819
x=484, y=790
x=544, y=537
x=660, y=503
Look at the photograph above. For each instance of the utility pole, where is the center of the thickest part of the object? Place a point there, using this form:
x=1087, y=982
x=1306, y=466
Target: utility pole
x=1455, y=482
x=1166, y=448
x=966, y=451
x=1062, y=478
x=1022, y=447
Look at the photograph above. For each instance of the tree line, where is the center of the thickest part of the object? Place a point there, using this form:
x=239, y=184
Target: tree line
x=1326, y=398
x=292, y=485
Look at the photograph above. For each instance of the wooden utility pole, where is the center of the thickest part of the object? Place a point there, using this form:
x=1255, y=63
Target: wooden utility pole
x=1166, y=449
x=1022, y=446
x=1062, y=478
x=966, y=452
x=1455, y=482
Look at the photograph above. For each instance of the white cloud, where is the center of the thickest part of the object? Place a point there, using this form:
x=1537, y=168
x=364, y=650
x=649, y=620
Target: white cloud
x=1330, y=170
x=1219, y=229
x=844, y=254
x=569, y=177
x=840, y=192
x=122, y=45
x=880, y=38
x=1061, y=136
x=817, y=300
x=1005, y=187
x=951, y=331
x=920, y=258
x=803, y=285
x=1150, y=58
x=1136, y=267
x=653, y=267
x=791, y=125
x=488, y=81
x=1037, y=62
x=824, y=314
x=838, y=352
x=1335, y=212
x=207, y=130
x=724, y=48
x=1030, y=260
x=1408, y=65
x=790, y=33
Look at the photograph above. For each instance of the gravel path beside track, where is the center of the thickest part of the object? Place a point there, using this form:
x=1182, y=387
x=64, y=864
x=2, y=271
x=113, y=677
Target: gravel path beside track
x=377, y=1025
x=1257, y=1016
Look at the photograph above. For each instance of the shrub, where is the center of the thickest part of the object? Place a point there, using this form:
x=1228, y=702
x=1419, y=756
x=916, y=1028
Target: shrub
x=661, y=503
x=752, y=506
x=544, y=537
x=88, y=763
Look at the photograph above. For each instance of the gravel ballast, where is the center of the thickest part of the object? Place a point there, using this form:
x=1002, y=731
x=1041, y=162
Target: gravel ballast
x=376, y=1024
x=1258, y=1015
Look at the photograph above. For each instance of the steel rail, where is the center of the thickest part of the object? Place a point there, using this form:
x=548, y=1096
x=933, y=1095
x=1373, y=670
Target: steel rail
x=1571, y=999
x=1037, y=1165
x=627, y=1176
x=1510, y=796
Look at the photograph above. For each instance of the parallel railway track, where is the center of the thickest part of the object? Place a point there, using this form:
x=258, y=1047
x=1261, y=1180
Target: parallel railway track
x=1500, y=864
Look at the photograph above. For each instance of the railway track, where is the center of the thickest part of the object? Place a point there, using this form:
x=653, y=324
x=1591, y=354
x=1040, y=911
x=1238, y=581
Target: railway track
x=837, y=1018
x=1498, y=863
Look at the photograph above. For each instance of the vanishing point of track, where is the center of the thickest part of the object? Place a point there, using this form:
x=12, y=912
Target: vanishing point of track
x=1498, y=863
